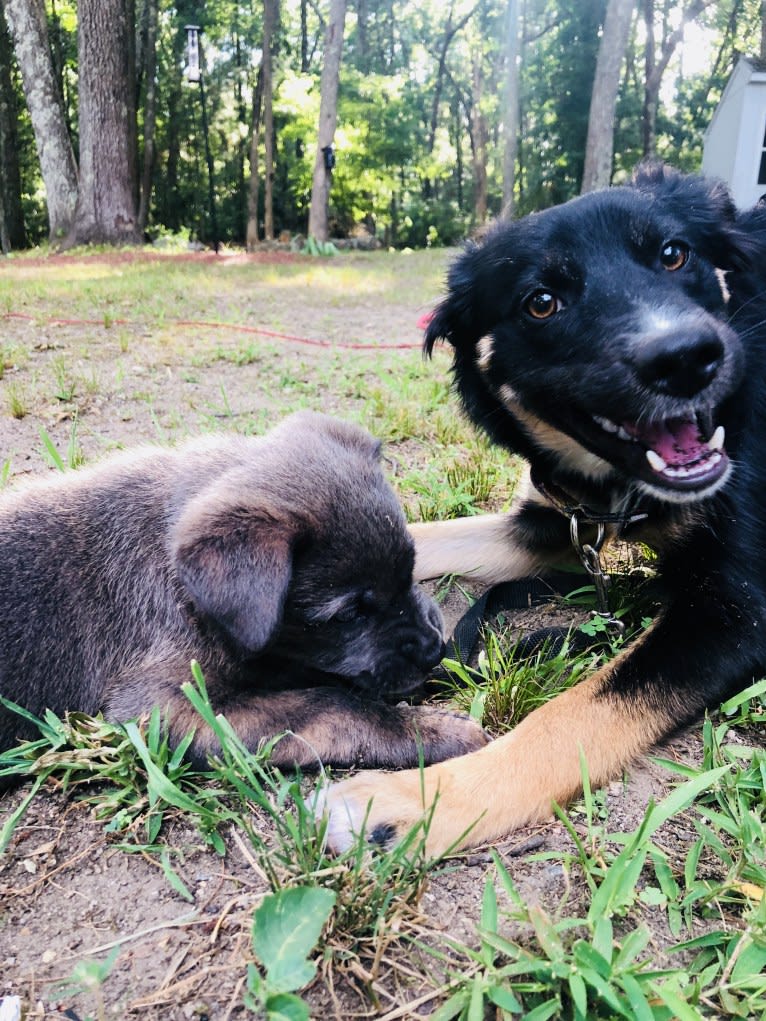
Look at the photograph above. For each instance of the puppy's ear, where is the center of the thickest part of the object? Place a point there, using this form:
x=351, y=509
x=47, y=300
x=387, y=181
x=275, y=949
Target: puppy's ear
x=454, y=316
x=236, y=562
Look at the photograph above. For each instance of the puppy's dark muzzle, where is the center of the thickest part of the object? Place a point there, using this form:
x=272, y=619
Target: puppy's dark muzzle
x=416, y=649
x=425, y=648
x=426, y=653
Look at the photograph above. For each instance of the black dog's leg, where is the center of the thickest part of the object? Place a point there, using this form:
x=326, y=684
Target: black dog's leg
x=693, y=657
x=493, y=548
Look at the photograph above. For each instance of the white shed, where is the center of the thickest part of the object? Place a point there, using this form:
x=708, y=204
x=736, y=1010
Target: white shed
x=735, y=142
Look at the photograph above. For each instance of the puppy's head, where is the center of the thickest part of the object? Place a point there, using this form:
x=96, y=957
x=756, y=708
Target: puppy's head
x=303, y=556
x=594, y=338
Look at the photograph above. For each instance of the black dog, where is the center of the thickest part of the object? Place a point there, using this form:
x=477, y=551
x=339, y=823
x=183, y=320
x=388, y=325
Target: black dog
x=617, y=342
x=279, y=563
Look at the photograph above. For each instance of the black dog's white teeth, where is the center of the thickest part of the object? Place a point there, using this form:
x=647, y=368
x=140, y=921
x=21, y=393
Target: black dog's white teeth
x=702, y=466
x=716, y=441
x=684, y=471
x=705, y=423
x=655, y=461
x=612, y=427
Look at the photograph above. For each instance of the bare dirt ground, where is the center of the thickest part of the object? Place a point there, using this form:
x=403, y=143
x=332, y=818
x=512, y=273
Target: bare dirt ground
x=67, y=891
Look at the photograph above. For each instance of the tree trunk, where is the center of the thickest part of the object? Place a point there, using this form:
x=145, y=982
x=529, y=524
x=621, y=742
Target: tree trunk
x=479, y=140
x=328, y=119
x=254, y=186
x=106, y=212
x=12, y=232
x=450, y=31
x=599, y=148
x=149, y=54
x=511, y=118
x=29, y=31
x=270, y=19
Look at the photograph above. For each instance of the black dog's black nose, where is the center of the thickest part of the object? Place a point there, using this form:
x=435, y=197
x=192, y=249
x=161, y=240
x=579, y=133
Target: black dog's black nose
x=680, y=362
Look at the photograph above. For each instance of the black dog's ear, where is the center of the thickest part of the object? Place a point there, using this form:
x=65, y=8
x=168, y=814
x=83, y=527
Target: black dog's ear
x=236, y=563
x=455, y=316
x=651, y=173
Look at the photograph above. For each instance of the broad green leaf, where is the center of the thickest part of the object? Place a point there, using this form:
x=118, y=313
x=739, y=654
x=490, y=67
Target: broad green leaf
x=638, y=1002
x=751, y=962
x=286, y=1007
x=452, y=1007
x=679, y=799
x=475, y=1010
x=286, y=928
x=546, y=1010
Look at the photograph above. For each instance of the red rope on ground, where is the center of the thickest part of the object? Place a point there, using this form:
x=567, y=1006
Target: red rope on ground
x=216, y=325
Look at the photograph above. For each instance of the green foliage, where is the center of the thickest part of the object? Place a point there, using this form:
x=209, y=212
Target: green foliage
x=314, y=247
x=88, y=977
x=74, y=456
x=404, y=138
x=286, y=928
x=599, y=965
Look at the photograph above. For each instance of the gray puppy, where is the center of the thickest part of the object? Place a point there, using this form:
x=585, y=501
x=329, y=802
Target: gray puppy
x=282, y=564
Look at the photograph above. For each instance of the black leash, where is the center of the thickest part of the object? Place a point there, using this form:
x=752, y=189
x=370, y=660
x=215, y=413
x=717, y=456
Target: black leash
x=528, y=592
x=522, y=594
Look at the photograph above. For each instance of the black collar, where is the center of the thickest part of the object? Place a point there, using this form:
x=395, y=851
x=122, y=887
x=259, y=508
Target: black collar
x=570, y=507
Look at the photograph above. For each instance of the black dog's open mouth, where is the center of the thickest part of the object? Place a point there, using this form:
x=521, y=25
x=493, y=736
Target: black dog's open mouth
x=684, y=454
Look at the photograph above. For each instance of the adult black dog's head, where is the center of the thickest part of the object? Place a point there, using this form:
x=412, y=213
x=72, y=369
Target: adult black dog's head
x=593, y=339
x=302, y=558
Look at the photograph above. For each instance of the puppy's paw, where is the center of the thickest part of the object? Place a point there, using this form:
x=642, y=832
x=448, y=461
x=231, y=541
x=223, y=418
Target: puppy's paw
x=385, y=806
x=445, y=733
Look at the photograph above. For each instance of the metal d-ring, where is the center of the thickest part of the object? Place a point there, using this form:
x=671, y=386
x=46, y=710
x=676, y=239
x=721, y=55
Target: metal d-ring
x=590, y=557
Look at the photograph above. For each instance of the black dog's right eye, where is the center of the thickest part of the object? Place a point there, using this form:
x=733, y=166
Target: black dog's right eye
x=542, y=304
x=674, y=255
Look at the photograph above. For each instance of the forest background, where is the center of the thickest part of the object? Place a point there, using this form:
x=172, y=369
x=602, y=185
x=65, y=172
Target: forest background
x=434, y=115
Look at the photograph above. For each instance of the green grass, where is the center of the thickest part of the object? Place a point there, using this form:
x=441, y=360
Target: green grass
x=594, y=953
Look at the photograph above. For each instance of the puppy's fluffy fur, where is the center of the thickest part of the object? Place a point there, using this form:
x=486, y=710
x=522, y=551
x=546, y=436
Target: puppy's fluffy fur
x=282, y=564
x=618, y=343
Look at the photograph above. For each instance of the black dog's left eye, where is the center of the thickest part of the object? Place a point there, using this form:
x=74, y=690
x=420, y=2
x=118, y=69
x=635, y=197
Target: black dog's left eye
x=542, y=304
x=674, y=255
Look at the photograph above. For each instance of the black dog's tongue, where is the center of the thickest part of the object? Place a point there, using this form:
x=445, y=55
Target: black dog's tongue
x=678, y=441
x=678, y=452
